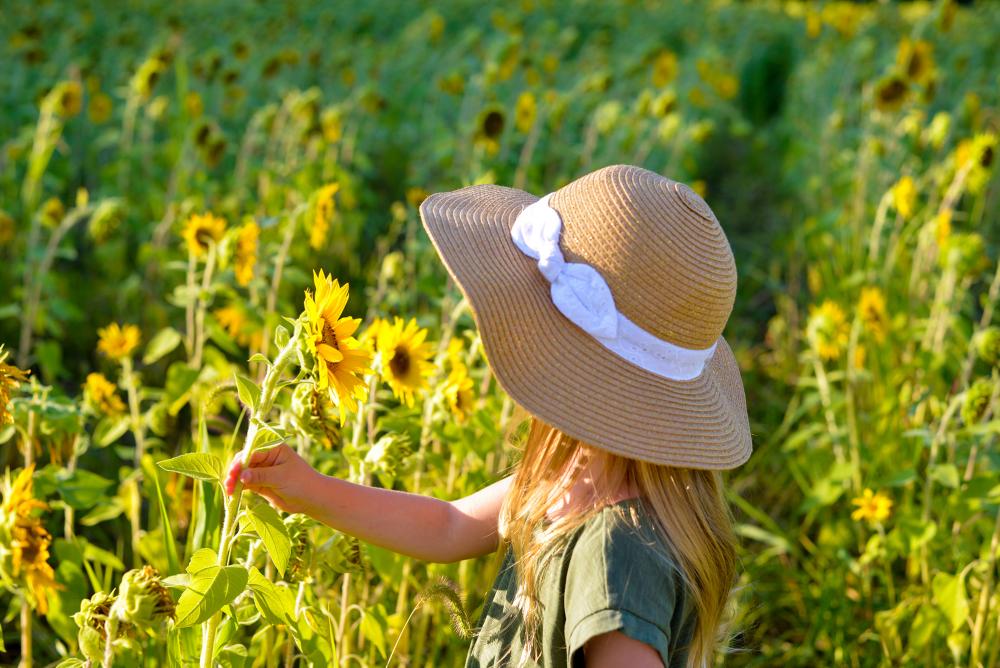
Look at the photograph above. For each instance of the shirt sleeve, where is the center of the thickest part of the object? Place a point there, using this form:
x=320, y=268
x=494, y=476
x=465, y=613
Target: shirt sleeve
x=616, y=582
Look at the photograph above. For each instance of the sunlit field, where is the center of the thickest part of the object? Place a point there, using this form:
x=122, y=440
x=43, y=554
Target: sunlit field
x=197, y=198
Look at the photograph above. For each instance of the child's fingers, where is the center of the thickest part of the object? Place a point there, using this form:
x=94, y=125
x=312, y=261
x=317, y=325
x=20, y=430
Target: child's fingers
x=260, y=477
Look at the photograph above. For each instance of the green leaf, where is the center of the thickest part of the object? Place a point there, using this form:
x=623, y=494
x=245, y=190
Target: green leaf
x=161, y=345
x=81, y=489
x=248, y=391
x=373, y=625
x=272, y=531
x=950, y=598
x=177, y=391
x=208, y=591
x=275, y=603
x=110, y=429
x=198, y=465
x=202, y=560
x=257, y=357
x=945, y=474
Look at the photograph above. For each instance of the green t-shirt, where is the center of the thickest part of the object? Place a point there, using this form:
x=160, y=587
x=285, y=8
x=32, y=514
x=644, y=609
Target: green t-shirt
x=610, y=576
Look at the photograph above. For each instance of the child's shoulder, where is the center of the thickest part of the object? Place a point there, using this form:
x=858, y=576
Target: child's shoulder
x=621, y=534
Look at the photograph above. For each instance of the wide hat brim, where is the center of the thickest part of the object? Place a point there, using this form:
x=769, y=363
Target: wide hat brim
x=558, y=372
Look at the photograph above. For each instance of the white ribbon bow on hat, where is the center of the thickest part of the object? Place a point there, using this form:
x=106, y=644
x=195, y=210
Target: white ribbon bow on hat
x=582, y=295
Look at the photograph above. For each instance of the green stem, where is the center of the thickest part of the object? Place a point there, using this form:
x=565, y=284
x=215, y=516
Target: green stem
x=110, y=631
x=199, y=325
x=128, y=375
x=26, y=620
x=268, y=393
x=985, y=594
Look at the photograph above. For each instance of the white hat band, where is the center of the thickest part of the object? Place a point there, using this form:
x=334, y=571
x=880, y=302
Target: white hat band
x=582, y=295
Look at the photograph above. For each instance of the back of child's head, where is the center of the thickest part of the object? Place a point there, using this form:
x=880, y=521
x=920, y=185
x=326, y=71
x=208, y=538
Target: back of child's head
x=689, y=511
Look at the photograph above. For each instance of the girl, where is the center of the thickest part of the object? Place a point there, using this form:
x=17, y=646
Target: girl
x=601, y=308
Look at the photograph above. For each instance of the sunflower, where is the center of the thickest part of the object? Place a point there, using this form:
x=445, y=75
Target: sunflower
x=233, y=319
x=10, y=379
x=904, y=196
x=871, y=305
x=24, y=542
x=874, y=507
x=915, y=59
x=981, y=152
x=100, y=394
x=890, y=93
x=403, y=355
x=341, y=360
x=202, y=229
x=246, y=251
x=65, y=99
x=458, y=392
x=664, y=68
x=323, y=212
x=99, y=108
x=827, y=329
x=525, y=111
x=118, y=342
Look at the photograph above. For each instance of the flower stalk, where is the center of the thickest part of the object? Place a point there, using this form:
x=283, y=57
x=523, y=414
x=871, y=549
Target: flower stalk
x=268, y=393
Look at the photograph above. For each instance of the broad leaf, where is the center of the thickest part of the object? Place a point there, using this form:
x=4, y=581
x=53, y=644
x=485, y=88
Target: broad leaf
x=950, y=598
x=199, y=465
x=208, y=591
x=201, y=560
x=267, y=523
x=275, y=602
x=161, y=345
x=248, y=391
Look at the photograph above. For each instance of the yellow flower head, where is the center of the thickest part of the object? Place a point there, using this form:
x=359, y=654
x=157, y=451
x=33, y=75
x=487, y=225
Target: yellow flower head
x=246, y=252
x=323, y=213
x=664, y=68
x=827, y=329
x=404, y=354
x=525, y=111
x=915, y=59
x=871, y=306
x=118, y=342
x=872, y=507
x=904, y=196
x=978, y=156
x=10, y=379
x=202, y=229
x=341, y=360
x=891, y=92
x=24, y=542
x=458, y=392
x=101, y=395
x=233, y=319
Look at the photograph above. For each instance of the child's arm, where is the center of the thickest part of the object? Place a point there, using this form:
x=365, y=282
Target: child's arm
x=412, y=524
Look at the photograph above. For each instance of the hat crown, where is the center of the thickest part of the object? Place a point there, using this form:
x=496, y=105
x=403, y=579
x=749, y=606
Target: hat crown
x=659, y=247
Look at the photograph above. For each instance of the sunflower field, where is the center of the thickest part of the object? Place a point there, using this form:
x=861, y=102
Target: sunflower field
x=210, y=242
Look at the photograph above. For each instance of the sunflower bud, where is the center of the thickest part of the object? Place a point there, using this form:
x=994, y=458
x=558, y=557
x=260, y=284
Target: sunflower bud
x=977, y=399
x=987, y=345
x=142, y=599
x=91, y=619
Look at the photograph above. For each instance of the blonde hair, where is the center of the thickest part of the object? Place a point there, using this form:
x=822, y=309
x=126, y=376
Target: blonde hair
x=688, y=505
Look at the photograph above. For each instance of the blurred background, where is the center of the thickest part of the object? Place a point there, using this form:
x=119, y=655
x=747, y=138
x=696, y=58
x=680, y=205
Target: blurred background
x=184, y=167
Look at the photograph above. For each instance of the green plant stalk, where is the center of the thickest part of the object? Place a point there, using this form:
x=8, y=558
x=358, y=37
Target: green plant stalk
x=34, y=279
x=985, y=594
x=199, y=323
x=128, y=375
x=268, y=392
x=26, y=620
x=929, y=482
x=110, y=631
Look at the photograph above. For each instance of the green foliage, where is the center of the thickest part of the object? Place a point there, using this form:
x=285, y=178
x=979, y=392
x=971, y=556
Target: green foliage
x=848, y=150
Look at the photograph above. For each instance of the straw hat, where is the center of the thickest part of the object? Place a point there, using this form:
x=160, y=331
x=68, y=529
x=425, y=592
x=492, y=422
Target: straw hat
x=601, y=308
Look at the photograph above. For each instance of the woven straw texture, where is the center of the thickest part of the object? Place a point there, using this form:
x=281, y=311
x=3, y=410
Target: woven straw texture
x=670, y=270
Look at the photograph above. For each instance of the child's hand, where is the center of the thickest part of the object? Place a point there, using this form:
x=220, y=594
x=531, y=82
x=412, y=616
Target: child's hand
x=279, y=475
